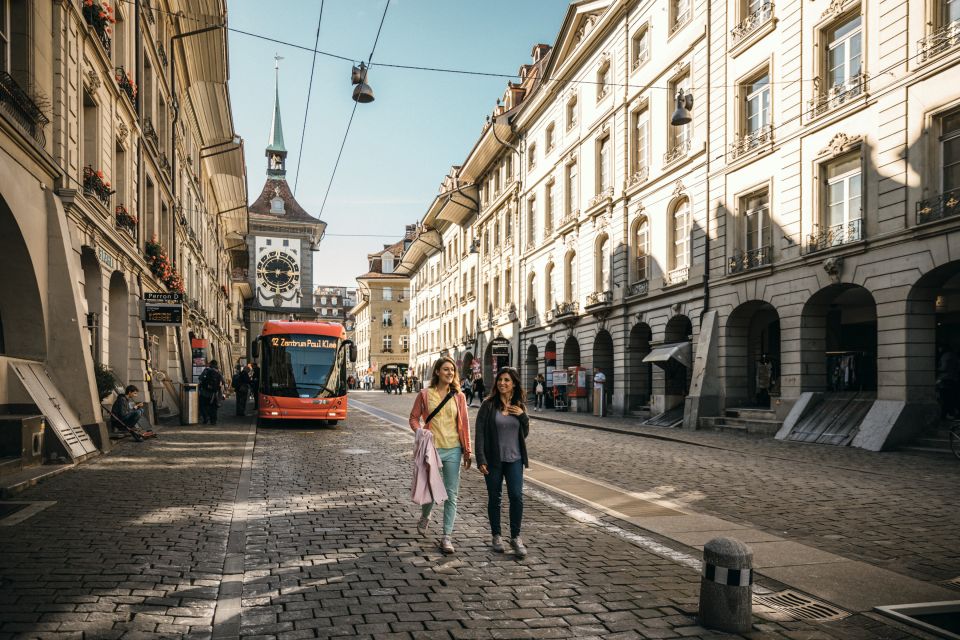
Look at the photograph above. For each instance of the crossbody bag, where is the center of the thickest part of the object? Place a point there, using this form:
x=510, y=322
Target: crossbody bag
x=433, y=413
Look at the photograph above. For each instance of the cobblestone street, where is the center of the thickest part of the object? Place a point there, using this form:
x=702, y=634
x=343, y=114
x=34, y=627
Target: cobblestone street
x=137, y=542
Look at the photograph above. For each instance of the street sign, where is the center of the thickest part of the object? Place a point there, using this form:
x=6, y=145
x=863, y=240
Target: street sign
x=165, y=298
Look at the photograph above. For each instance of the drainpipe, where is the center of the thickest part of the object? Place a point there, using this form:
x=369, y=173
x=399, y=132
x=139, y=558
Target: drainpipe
x=706, y=248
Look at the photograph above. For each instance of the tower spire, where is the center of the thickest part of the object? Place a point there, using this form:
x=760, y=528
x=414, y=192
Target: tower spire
x=276, y=151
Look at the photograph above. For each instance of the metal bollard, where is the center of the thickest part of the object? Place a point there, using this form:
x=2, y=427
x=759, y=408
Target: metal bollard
x=726, y=594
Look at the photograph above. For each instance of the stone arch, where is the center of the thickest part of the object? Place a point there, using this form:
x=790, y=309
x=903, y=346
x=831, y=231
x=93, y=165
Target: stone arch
x=93, y=292
x=119, y=327
x=641, y=373
x=838, y=329
x=752, y=333
x=571, y=353
x=22, y=325
x=604, y=361
x=933, y=328
x=677, y=378
x=531, y=365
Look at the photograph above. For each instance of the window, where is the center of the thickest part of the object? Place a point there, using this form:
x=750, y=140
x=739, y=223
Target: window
x=843, y=201
x=602, y=268
x=844, y=57
x=496, y=292
x=406, y=318
x=548, y=287
x=641, y=141
x=641, y=47
x=548, y=137
x=508, y=225
x=603, y=164
x=5, y=35
x=486, y=241
x=508, y=287
x=757, y=105
x=681, y=13
x=570, y=277
x=388, y=293
x=531, y=220
x=531, y=155
x=603, y=80
x=323, y=312
x=950, y=151
x=388, y=344
x=641, y=250
x=91, y=128
x=405, y=343
x=386, y=263
x=950, y=12
x=496, y=233
x=572, y=113
x=550, y=207
x=681, y=239
x=572, y=199
x=756, y=218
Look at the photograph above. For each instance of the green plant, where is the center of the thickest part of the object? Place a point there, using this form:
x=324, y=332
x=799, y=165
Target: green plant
x=107, y=382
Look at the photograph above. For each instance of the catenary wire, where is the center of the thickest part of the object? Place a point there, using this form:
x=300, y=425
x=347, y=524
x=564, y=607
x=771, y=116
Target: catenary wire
x=306, y=110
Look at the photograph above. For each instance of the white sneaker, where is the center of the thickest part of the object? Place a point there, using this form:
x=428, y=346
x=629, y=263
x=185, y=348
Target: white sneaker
x=518, y=549
x=446, y=545
x=497, y=544
x=422, y=524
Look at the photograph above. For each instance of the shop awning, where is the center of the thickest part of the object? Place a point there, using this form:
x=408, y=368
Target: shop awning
x=678, y=352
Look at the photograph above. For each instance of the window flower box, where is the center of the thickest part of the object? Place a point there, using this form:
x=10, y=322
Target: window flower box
x=94, y=184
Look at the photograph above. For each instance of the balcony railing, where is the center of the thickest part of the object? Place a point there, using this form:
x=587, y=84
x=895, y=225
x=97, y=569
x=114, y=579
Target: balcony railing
x=751, y=23
x=681, y=19
x=388, y=323
x=939, y=207
x=680, y=150
x=677, y=276
x=99, y=19
x=944, y=38
x=639, y=176
x=387, y=350
x=569, y=218
x=838, y=94
x=746, y=260
x=600, y=298
x=639, y=59
x=21, y=108
x=162, y=55
x=531, y=320
x=149, y=132
x=565, y=309
x=749, y=141
x=126, y=83
x=605, y=194
x=838, y=234
x=640, y=288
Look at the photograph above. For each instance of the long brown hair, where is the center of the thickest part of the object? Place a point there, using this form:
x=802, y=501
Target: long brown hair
x=435, y=378
x=519, y=397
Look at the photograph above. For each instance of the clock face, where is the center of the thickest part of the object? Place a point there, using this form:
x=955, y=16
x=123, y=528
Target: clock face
x=278, y=272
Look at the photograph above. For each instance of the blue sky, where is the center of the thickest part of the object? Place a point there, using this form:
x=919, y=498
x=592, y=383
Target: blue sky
x=401, y=145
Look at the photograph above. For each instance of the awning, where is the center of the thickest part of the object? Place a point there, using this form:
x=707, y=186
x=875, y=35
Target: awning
x=227, y=176
x=678, y=352
x=459, y=205
x=487, y=147
x=423, y=246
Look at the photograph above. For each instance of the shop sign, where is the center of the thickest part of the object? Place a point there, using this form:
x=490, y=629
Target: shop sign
x=500, y=348
x=105, y=258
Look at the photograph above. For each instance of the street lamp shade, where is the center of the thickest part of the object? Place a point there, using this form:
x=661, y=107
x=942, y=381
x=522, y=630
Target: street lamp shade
x=362, y=92
x=684, y=104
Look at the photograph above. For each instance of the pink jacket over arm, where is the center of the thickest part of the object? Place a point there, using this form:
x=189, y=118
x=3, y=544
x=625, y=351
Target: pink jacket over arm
x=420, y=411
x=427, y=482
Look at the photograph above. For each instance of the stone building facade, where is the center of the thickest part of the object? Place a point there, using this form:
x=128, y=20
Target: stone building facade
x=111, y=117
x=782, y=263
x=333, y=304
x=382, y=313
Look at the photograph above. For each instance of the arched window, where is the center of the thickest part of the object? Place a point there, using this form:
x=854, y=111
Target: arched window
x=548, y=287
x=570, y=277
x=532, y=295
x=680, y=257
x=641, y=250
x=601, y=269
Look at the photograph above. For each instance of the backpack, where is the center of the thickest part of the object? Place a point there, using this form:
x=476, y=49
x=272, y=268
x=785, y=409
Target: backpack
x=209, y=381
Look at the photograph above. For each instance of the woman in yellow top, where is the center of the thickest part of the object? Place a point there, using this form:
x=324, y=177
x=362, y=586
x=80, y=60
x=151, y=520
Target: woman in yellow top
x=451, y=436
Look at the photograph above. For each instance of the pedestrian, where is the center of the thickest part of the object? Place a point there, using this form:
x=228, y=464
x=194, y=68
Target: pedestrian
x=126, y=411
x=242, y=387
x=599, y=380
x=948, y=384
x=539, y=386
x=501, y=446
x=478, y=387
x=254, y=374
x=468, y=391
x=211, y=393
x=433, y=410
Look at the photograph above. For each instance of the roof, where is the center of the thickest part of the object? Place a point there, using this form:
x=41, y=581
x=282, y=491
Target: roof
x=274, y=187
x=276, y=127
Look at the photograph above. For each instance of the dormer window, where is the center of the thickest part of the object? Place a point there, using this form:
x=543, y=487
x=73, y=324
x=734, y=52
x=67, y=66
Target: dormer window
x=276, y=205
x=386, y=262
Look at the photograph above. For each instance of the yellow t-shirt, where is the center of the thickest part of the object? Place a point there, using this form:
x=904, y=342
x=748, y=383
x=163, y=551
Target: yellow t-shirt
x=444, y=424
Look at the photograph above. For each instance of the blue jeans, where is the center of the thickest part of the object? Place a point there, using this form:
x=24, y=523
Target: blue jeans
x=512, y=472
x=450, y=462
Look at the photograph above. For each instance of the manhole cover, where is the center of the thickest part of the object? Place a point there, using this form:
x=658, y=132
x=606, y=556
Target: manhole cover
x=791, y=605
x=940, y=618
x=353, y=452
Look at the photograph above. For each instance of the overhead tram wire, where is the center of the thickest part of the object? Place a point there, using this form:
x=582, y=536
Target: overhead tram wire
x=306, y=110
x=353, y=112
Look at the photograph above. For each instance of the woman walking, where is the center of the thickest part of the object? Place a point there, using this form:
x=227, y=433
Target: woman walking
x=539, y=385
x=502, y=428
x=442, y=408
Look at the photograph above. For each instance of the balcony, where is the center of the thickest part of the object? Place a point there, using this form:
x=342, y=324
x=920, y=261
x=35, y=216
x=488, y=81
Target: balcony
x=837, y=95
x=149, y=132
x=751, y=24
x=605, y=195
x=639, y=59
x=751, y=141
x=943, y=39
x=239, y=274
x=838, y=234
x=939, y=207
x=467, y=339
x=639, y=176
x=676, y=276
x=681, y=20
x=95, y=185
x=531, y=321
x=387, y=350
x=680, y=150
x=746, y=260
x=564, y=310
x=568, y=219
x=19, y=106
x=125, y=221
x=99, y=18
x=126, y=84
x=640, y=288
x=600, y=299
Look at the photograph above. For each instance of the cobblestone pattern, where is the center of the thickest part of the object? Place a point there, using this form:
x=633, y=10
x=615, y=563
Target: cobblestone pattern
x=332, y=551
x=896, y=510
x=133, y=547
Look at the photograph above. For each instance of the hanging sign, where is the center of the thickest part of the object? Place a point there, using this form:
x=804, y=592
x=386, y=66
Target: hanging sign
x=161, y=309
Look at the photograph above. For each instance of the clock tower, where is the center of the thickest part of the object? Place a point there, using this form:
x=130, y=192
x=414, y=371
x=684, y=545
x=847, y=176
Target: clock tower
x=281, y=240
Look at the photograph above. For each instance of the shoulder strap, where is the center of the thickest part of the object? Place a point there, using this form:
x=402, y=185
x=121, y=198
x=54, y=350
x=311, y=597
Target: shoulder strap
x=433, y=413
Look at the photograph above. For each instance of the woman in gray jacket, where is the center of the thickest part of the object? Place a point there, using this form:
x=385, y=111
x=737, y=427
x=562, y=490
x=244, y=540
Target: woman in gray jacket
x=502, y=427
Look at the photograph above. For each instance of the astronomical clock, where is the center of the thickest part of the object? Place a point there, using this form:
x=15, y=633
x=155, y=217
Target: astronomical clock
x=278, y=272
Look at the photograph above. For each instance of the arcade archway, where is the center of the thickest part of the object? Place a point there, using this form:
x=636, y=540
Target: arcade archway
x=119, y=330
x=641, y=373
x=752, y=355
x=838, y=330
